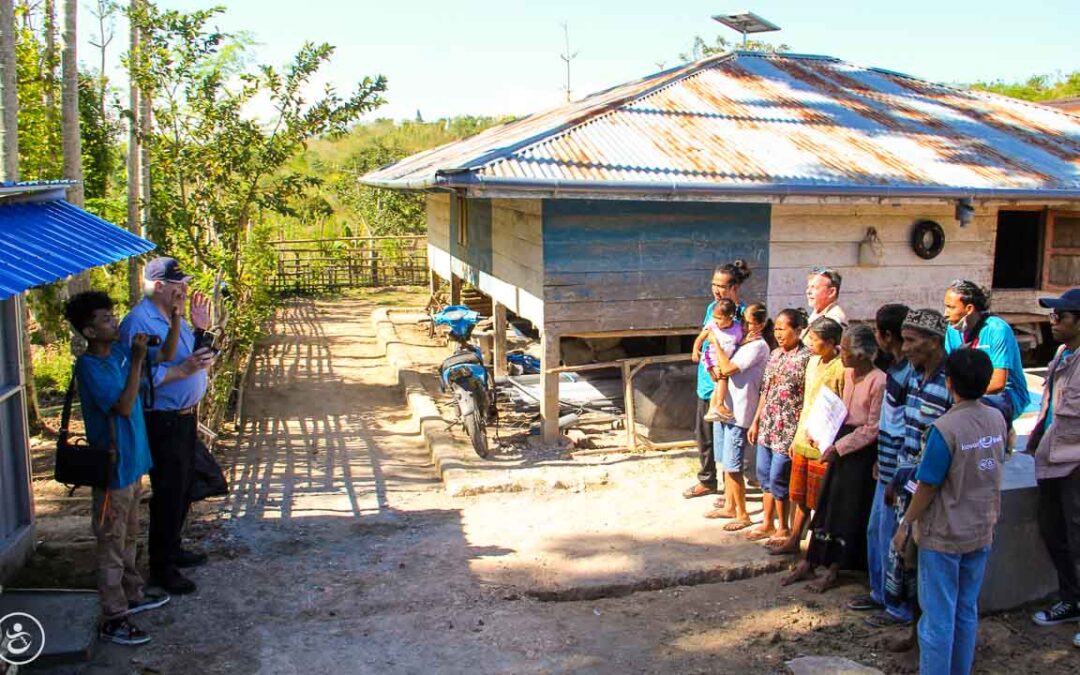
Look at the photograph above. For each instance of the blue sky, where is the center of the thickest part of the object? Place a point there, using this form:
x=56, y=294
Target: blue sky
x=486, y=57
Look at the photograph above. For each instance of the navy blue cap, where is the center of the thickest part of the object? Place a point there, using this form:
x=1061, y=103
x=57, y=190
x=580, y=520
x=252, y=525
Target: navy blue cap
x=164, y=269
x=1068, y=302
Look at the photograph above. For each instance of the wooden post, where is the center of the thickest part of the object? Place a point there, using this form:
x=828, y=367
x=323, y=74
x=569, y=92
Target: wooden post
x=628, y=404
x=549, y=397
x=455, y=290
x=498, y=318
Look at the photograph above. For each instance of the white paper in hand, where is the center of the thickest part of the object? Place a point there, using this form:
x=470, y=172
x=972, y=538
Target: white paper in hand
x=827, y=415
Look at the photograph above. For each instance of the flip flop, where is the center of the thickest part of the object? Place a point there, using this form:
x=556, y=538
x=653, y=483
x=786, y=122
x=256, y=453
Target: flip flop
x=758, y=536
x=737, y=525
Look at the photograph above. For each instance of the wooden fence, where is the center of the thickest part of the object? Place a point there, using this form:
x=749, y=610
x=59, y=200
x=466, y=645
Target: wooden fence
x=318, y=265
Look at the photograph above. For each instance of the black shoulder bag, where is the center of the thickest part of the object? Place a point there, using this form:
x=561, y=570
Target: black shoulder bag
x=78, y=463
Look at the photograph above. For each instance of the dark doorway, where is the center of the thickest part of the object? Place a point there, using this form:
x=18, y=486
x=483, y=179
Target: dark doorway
x=1018, y=252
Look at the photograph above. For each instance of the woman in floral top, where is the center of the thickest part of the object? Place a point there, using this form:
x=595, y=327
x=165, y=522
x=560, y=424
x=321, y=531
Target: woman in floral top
x=777, y=417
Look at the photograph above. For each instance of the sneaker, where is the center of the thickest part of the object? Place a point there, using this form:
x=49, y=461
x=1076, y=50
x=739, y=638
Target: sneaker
x=150, y=601
x=864, y=603
x=122, y=632
x=190, y=558
x=1061, y=612
x=1076, y=640
x=173, y=582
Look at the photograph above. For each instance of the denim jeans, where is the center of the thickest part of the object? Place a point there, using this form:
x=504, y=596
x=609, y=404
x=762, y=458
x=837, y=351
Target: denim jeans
x=729, y=446
x=879, y=535
x=773, y=472
x=949, y=586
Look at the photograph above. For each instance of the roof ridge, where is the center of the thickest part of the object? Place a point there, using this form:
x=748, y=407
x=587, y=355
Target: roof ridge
x=593, y=113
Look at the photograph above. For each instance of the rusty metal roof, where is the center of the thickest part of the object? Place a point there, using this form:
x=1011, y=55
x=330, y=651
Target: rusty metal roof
x=756, y=123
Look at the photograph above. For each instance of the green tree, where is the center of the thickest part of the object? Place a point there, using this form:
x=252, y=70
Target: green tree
x=1036, y=87
x=701, y=48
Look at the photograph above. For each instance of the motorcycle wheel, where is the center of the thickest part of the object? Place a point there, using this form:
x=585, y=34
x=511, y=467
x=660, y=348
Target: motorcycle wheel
x=474, y=428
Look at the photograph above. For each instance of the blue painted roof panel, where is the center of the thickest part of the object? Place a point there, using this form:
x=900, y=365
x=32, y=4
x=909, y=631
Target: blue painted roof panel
x=42, y=242
x=746, y=120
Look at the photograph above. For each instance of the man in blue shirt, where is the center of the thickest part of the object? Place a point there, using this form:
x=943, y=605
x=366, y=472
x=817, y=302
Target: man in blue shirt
x=107, y=378
x=178, y=384
x=971, y=325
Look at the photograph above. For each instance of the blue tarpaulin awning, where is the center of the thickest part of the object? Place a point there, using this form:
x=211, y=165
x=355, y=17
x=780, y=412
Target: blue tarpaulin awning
x=45, y=241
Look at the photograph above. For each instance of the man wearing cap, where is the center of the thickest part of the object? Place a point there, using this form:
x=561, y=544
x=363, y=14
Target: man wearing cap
x=171, y=422
x=923, y=334
x=1055, y=440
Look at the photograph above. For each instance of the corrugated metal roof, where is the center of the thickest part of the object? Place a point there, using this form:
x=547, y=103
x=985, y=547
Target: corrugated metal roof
x=44, y=241
x=753, y=122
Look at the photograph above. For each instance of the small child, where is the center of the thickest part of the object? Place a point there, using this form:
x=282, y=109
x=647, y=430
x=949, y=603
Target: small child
x=955, y=508
x=721, y=333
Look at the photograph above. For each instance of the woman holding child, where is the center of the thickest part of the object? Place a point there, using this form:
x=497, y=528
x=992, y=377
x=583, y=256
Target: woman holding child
x=743, y=371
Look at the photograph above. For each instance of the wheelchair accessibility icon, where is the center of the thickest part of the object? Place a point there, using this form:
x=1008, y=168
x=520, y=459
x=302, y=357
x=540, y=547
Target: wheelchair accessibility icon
x=22, y=638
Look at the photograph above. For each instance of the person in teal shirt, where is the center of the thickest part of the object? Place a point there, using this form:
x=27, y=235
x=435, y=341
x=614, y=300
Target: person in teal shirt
x=967, y=310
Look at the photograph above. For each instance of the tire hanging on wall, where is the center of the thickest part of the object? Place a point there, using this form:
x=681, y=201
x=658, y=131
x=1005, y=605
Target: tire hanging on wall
x=927, y=239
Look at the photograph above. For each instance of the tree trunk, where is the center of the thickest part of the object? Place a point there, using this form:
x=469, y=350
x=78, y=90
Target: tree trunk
x=134, y=172
x=9, y=101
x=69, y=101
x=48, y=73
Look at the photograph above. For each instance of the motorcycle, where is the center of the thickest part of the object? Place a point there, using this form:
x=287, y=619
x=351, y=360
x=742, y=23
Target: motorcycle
x=464, y=374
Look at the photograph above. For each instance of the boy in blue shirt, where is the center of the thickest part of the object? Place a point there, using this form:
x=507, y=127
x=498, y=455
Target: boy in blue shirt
x=953, y=514
x=107, y=376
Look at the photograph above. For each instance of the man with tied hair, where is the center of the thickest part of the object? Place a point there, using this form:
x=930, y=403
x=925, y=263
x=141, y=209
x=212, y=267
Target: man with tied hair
x=967, y=309
x=170, y=413
x=823, y=294
x=1055, y=441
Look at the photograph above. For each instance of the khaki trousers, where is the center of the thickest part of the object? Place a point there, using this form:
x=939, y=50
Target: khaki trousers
x=116, y=526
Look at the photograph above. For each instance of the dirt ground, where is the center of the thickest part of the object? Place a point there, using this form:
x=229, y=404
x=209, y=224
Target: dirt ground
x=337, y=550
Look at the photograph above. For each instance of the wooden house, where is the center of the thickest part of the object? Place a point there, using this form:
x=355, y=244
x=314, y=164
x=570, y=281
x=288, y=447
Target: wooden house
x=606, y=217
x=42, y=239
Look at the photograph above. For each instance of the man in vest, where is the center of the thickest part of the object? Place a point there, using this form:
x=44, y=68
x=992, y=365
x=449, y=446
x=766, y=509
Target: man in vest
x=1055, y=440
x=954, y=511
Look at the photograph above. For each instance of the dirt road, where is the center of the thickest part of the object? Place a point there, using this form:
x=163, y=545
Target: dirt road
x=338, y=551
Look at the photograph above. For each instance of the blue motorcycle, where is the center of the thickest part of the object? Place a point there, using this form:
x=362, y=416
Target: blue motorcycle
x=464, y=374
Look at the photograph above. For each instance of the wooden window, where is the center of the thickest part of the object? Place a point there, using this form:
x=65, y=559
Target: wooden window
x=1061, y=261
x=462, y=221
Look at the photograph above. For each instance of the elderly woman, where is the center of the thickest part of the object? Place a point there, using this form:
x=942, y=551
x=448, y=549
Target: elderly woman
x=773, y=428
x=807, y=470
x=847, y=494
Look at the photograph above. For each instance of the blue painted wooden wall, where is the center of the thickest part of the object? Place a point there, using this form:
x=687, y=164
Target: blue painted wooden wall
x=622, y=265
x=477, y=249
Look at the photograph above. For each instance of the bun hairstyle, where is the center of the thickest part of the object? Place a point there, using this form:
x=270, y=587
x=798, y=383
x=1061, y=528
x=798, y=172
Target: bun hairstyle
x=970, y=293
x=797, y=317
x=739, y=271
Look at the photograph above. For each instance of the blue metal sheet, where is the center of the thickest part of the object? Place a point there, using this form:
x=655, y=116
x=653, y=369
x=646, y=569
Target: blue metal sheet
x=42, y=242
x=749, y=122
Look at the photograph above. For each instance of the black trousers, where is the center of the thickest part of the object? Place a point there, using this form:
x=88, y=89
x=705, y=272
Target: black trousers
x=172, y=447
x=1059, y=524
x=703, y=434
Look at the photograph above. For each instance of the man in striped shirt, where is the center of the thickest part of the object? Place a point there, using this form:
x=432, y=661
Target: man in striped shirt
x=927, y=399
x=882, y=526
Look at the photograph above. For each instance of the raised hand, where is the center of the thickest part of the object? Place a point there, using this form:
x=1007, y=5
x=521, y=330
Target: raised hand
x=200, y=310
x=138, y=347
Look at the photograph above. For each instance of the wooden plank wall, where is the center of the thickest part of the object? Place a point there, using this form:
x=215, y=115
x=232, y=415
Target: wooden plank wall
x=504, y=255
x=637, y=265
x=804, y=236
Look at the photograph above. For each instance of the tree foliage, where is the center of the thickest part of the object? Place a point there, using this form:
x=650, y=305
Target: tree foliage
x=215, y=168
x=701, y=48
x=1036, y=87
